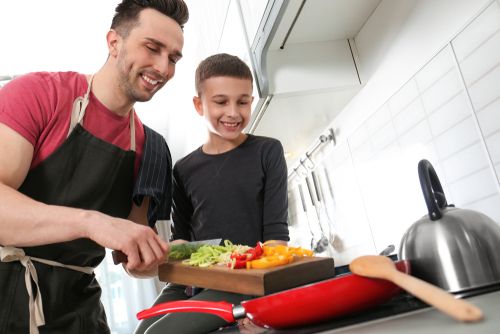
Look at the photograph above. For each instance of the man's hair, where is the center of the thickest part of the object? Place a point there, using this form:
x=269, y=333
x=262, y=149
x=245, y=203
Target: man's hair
x=221, y=65
x=127, y=13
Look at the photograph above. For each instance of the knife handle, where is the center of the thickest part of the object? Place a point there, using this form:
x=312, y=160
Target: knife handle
x=119, y=257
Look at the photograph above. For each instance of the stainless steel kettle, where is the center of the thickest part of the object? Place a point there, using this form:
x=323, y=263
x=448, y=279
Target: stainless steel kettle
x=451, y=248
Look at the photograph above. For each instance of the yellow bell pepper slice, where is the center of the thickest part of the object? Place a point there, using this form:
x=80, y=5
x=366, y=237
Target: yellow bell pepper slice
x=269, y=261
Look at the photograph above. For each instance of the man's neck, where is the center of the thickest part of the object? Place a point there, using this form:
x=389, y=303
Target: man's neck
x=106, y=90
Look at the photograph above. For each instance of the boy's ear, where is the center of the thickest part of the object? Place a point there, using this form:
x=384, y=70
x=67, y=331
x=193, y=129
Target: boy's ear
x=197, y=105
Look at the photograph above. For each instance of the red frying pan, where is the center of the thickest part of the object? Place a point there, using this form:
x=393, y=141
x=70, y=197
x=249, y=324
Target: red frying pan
x=295, y=307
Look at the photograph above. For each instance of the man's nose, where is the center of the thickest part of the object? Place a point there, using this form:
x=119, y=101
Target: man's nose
x=162, y=66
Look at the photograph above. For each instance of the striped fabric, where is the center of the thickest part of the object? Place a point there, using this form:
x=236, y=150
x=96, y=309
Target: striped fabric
x=155, y=177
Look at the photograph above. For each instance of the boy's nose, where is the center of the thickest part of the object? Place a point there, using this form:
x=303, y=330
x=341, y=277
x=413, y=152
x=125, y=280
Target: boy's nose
x=232, y=110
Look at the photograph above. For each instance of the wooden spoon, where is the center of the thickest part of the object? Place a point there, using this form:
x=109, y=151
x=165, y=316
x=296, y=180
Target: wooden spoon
x=376, y=266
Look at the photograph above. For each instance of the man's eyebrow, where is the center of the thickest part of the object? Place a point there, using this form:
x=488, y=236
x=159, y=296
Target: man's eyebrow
x=160, y=44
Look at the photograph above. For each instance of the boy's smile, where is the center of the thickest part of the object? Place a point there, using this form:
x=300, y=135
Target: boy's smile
x=226, y=105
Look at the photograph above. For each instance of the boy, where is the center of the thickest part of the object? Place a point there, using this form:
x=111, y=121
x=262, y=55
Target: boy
x=232, y=187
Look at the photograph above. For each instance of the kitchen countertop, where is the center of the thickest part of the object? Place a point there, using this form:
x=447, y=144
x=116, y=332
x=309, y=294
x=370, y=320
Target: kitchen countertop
x=430, y=320
x=426, y=320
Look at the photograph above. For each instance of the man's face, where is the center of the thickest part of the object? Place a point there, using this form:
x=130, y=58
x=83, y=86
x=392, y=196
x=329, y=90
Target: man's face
x=226, y=105
x=146, y=58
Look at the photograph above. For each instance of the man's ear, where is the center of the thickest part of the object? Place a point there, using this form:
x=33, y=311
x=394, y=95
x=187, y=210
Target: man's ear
x=198, y=105
x=113, y=39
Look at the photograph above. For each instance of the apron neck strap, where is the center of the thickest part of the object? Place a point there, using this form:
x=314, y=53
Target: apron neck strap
x=79, y=107
x=132, y=130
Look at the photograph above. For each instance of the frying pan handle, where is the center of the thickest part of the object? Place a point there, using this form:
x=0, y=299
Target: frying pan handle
x=432, y=189
x=221, y=309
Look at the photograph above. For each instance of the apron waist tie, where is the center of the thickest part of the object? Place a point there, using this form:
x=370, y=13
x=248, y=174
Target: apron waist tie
x=10, y=254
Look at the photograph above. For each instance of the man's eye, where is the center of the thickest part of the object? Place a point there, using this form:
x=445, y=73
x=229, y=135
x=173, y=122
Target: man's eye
x=243, y=103
x=152, y=49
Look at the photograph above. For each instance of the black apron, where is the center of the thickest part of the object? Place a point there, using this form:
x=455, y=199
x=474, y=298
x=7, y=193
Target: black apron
x=84, y=172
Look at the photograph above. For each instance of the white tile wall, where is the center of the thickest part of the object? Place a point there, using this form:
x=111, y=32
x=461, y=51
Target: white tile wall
x=478, y=53
x=359, y=137
x=451, y=113
x=473, y=187
x=487, y=206
x=378, y=120
x=468, y=161
x=442, y=90
x=477, y=32
x=408, y=93
x=441, y=65
x=493, y=144
x=482, y=60
x=432, y=116
x=456, y=138
x=485, y=91
x=382, y=138
x=409, y=116
x=419, y=134
x=488, y=117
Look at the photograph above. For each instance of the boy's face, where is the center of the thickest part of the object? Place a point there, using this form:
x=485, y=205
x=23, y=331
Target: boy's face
x=226, y=105
x=145, y=59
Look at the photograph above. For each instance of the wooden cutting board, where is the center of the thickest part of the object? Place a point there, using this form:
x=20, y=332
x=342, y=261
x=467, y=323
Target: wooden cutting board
x=255, y=282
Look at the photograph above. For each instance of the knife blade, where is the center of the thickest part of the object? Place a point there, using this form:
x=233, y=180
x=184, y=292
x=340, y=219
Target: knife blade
x=120, y=257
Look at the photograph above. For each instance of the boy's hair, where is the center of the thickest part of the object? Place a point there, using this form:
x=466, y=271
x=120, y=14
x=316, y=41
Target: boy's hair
x=221, y=65
x=127, y=13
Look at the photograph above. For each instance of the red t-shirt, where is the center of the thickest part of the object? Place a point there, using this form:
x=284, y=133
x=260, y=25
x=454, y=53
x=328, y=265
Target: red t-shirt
x=38, y=106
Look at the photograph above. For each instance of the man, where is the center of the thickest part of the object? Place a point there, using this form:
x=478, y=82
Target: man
x=71, y=150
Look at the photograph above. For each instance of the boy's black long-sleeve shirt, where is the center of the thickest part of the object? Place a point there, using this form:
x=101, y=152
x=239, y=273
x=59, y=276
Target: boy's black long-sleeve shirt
x=239, y=195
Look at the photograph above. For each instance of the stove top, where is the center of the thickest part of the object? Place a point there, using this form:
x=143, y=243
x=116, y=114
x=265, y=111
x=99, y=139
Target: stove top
x=400, y=304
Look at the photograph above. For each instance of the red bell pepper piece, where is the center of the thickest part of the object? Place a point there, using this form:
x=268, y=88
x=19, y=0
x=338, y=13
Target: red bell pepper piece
x=237, y=264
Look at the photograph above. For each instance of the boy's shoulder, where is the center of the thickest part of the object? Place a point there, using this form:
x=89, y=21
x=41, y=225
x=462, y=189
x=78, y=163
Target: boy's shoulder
x=195, y=153
x=263, y=141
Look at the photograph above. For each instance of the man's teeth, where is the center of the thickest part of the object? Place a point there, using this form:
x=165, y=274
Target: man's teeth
x=149, y=80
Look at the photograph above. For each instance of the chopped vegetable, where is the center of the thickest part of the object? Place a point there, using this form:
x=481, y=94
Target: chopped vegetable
x=261, y=256
x=182, y=251
x=208, y=255
x=269, y=261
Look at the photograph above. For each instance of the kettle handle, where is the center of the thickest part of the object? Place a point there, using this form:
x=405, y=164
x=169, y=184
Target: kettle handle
x=432, y=189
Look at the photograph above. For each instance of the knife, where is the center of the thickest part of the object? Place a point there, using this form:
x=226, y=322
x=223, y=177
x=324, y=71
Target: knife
x=120, y=257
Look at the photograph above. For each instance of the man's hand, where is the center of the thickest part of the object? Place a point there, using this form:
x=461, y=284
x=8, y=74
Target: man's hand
x=144, y=249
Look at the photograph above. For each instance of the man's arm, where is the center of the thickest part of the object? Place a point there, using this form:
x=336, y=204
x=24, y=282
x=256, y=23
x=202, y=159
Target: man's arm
x=138, y=215
x=26, y=222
